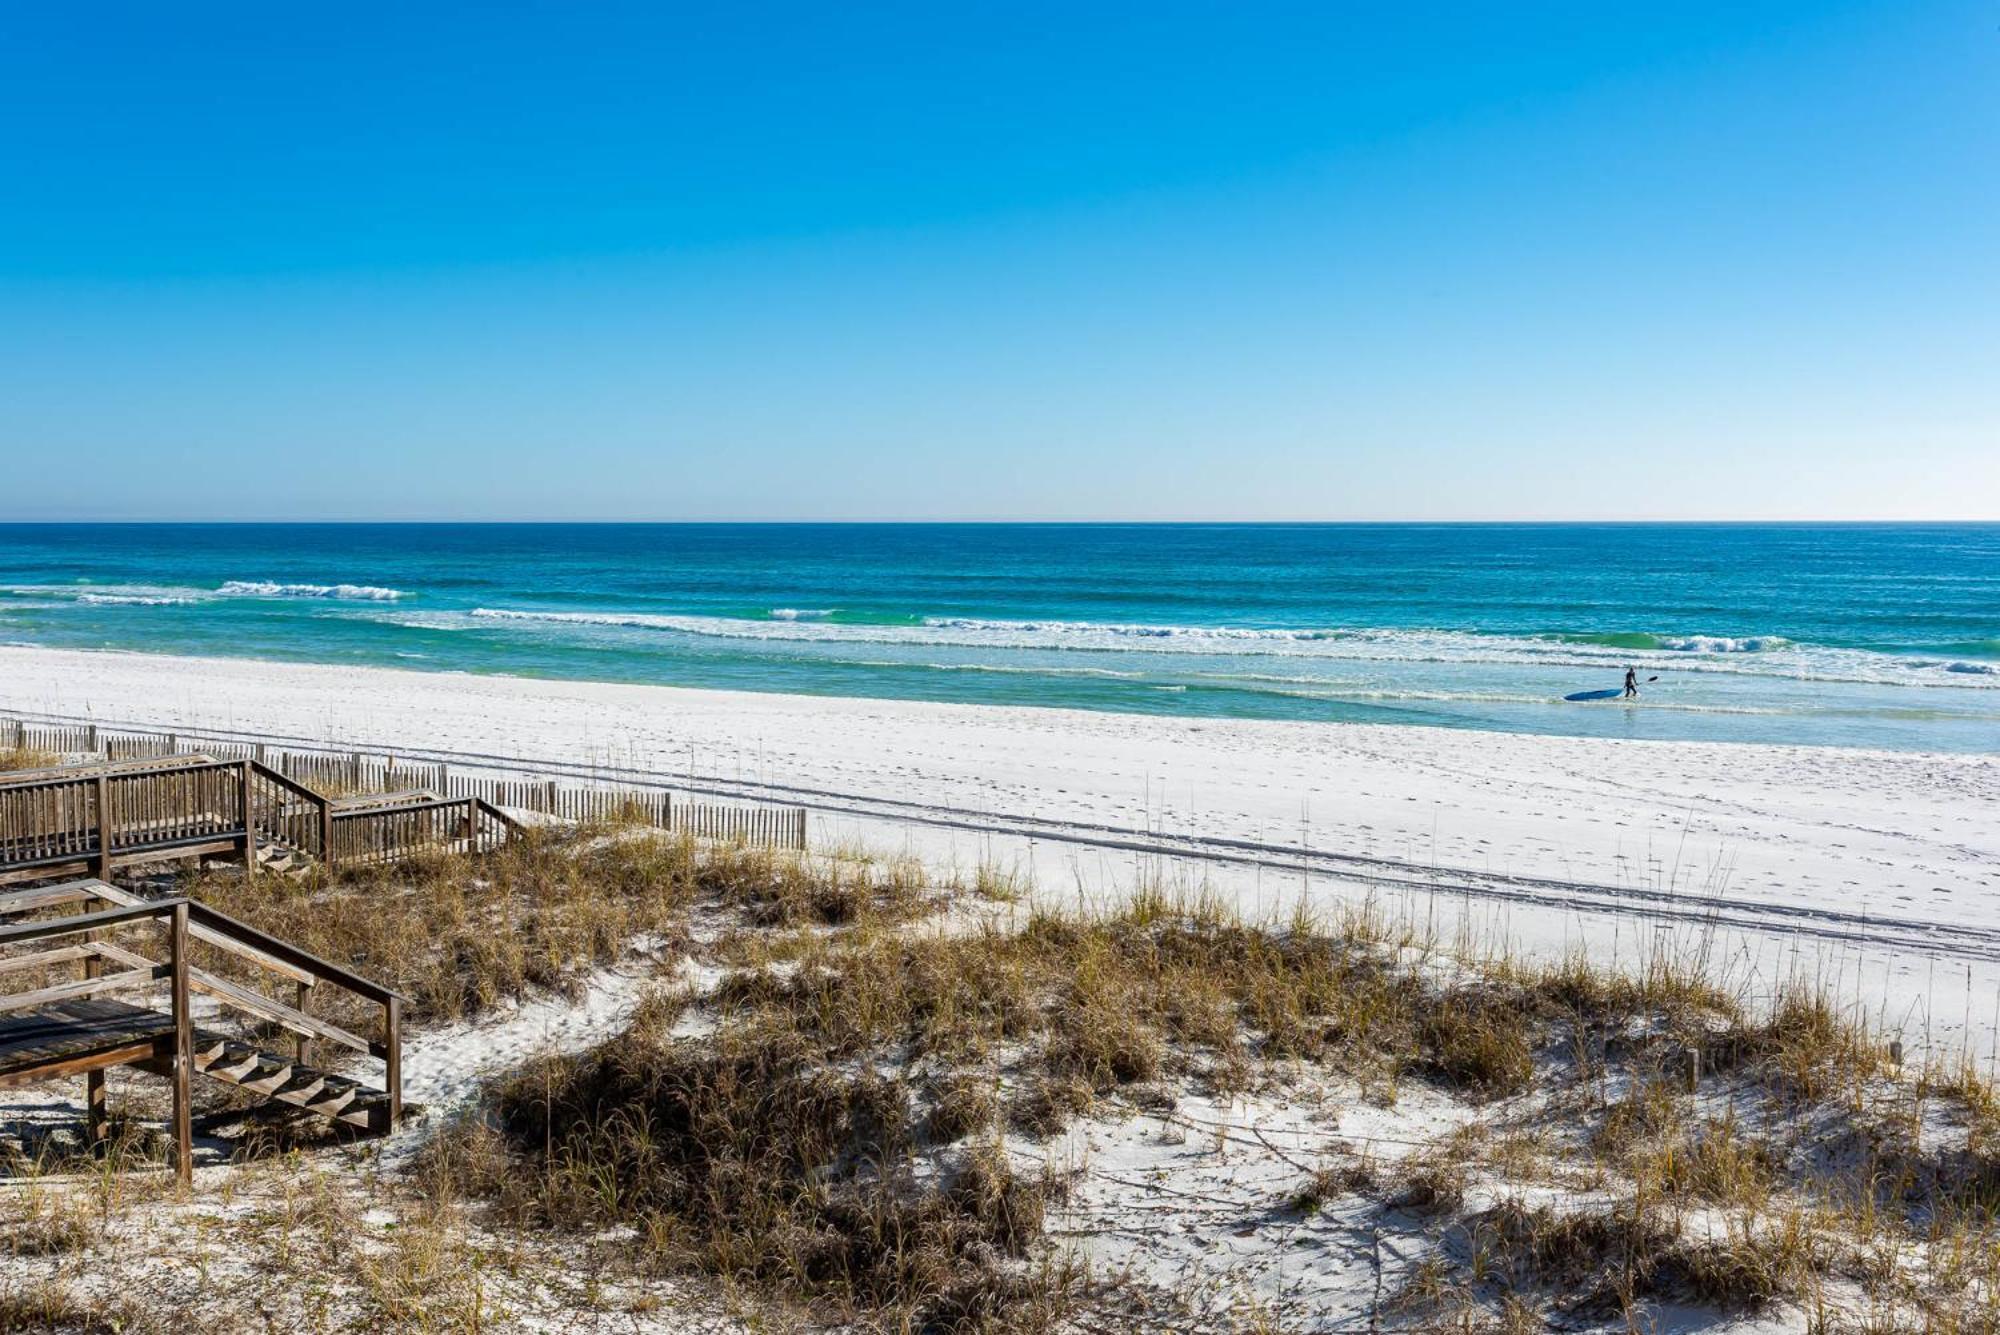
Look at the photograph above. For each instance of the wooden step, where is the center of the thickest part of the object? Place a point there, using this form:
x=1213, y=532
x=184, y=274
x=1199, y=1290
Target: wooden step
x=278, y=856
x=287, y=1081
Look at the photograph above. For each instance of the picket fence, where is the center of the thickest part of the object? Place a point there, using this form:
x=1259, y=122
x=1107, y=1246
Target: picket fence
x=340, y=775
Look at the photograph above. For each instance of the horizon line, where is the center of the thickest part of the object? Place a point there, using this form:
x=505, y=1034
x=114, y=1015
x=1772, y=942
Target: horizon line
x=1300, y=522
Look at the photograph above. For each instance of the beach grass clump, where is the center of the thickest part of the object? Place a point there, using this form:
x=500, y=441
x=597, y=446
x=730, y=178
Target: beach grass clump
x=749, y=1158
x=1605, y=1259
x=50, y=1305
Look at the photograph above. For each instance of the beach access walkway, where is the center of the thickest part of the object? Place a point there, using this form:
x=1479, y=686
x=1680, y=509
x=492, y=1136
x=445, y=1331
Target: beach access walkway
x=113, y=1015
x=92, y=819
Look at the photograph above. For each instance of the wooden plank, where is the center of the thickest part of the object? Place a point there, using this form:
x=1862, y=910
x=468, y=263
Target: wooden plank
x=85, y=922
x=177, y=936
x=203, y=916
x=44, y=958
x=219, y=939
x=89, y=1061
x=278, y=1013
x=43, y=896
x=86, y=987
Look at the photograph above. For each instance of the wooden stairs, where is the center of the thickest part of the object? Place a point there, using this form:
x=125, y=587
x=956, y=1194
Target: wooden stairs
x=99, y=1021
x=288, y=1080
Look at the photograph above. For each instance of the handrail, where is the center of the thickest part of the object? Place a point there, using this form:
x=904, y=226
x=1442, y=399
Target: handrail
x=89, y=922
x=124, y=769
x=278, y=1013
x=409, y=809
x=85, y=816
x=497, y=814
x=90, y=769
x=206, y=934
x=48, y=896
x=286, y=782
x=87, y=987
x=405, y=800
x=41, y=959
x=292, y=955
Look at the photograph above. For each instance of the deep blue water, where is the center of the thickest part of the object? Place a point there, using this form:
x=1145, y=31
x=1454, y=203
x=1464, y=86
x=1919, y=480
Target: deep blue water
x=1877, y=635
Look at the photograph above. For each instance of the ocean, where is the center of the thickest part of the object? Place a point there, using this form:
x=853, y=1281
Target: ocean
x=1878, y=635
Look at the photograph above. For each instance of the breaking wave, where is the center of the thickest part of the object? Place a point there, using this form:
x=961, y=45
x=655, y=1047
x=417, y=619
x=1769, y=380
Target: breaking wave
x=258, y=588
x=137, y=599
x=1757, y=656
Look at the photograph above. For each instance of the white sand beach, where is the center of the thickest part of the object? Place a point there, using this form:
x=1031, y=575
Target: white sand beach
x=1880, y=870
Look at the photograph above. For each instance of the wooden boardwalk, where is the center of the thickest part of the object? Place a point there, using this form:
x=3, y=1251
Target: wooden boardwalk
x=92, y=819
x=328, y=771
x=77, y=1027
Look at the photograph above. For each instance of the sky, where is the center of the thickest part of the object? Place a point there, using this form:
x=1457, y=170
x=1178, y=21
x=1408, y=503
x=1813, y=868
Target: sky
x=1033, y=261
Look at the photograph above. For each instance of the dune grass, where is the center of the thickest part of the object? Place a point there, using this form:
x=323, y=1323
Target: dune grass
x=26, y=757
x=844, y=1126
x=834, y=1131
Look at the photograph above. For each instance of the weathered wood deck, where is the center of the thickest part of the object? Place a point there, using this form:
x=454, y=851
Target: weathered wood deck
x=82, y=1034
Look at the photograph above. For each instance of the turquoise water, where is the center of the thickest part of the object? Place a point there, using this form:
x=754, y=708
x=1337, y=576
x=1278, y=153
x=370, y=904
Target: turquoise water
x=1875, y=635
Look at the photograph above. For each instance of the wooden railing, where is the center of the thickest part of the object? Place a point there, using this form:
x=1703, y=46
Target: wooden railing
x=97, y=817
x=290, y=812
x=184, y=920
x=106, y=814
x=326, y=771
x=375, y=833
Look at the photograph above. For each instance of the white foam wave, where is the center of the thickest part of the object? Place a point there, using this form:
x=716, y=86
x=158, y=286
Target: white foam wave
x=801, y=613
x=415, y=620
x=137, y=595
x=1723, y=644
x=136, y=599
x=259, y=588
x=1702, y=654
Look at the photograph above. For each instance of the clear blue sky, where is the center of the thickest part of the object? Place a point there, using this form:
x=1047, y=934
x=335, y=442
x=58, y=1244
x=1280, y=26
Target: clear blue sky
x=1045, y=261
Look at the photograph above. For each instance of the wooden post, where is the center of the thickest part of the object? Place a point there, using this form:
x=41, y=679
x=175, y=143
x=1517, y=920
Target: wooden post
x=392, y=1039
x=103, y=828
x=249, y=822
x=96, y=1119
x=326, y=832
x=96, y=1124
x=301, y=1045
x=183, y=1047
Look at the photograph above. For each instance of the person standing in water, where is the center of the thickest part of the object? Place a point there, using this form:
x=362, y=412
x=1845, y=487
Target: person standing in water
x=1631, y=683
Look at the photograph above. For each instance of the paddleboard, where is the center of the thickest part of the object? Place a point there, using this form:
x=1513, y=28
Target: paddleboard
x=1611, y=694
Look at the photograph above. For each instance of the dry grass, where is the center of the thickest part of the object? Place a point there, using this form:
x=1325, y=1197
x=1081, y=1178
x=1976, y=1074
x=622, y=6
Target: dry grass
x=748, y=1159
x=26, y=757
x=47, y=1305
x=825, y=1130
x=458, y=935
